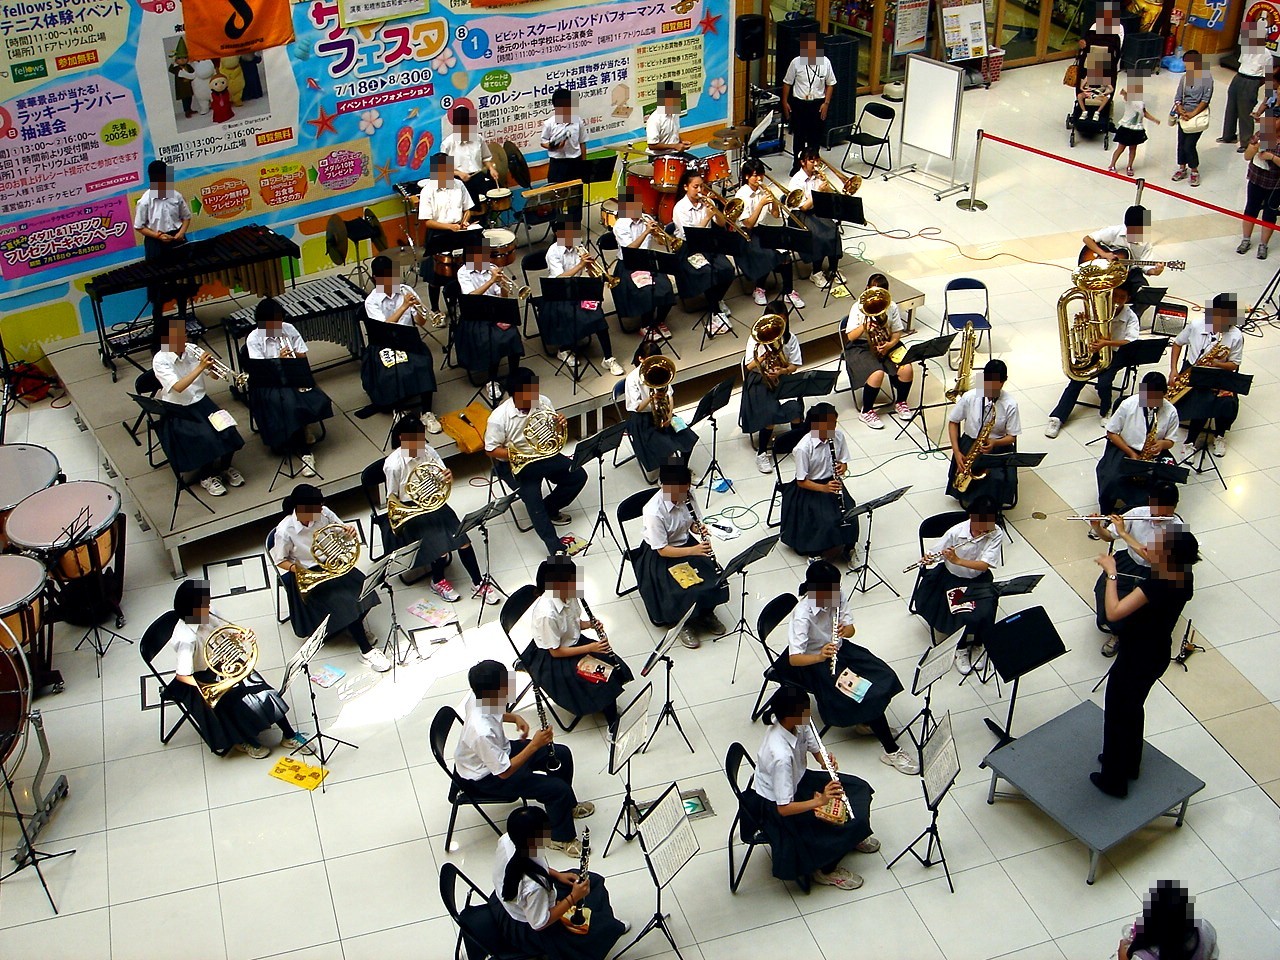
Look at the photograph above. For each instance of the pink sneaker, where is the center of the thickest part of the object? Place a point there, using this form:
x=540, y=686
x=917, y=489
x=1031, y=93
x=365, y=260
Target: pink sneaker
x=486, y=594
x=871, y=419
x=902, y=409
x=1179, y=174
x=444, y=590
x=794, y=299
x=1195, y=178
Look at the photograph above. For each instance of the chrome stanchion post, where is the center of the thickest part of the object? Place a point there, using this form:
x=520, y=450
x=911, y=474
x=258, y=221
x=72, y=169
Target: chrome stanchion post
x=971, y=202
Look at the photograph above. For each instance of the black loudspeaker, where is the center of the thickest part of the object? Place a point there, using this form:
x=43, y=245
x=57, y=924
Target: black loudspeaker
x=788, y=46
x=749, y=37
x=842, y=50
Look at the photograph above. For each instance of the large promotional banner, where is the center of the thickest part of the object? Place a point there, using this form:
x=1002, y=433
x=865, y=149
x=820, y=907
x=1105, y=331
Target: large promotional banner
x=92, y=90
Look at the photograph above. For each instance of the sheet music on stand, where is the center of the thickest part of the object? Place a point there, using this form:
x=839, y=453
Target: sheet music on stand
x=940, y=764
x=667, y=837
x=628, y=739
x=935, y=663
x=298, y=662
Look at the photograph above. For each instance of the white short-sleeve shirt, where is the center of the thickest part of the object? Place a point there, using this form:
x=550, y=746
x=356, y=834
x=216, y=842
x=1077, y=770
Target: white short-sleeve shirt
x=162, y=214
x=293, y=538
x=571, y=133
x=483, y=748
x=561, y=259
x=809, y=80
x=1132, y=421
x=443, y=204
x=400, y=463
x=662, y=127
x=555, y=622
x=1198, y=337
x=379, y=305
x=666, y=524
x=812, y=455
x=507, y=422
x=781, y=762
x=812, y=626
x=469, y=156
x=170, y=367
x=972, y=409
x=533, y=902
x=264, y=346
x=986, y=549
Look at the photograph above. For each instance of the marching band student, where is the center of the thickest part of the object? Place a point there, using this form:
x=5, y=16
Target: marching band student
x=395, y=377
x=245, y=710
x=786, y=798
x=824, y=234
x=760, y=409
x=555, y=655
x=197, y=435
x=641, y=293
x=482, y=344
x=505, y=434
x=662, y=129
x=516, y=769
x=1144, y=622
x=972, y=410
x=538, y=902
x=1124, y=329
x=564, y=324
x=1135, y=532
x=821, y=632
x=969, y=551
x=338, y=599
x=1217, y=329
x=471, y=156
x=162, y=216
x=285, y=415
x=868, y=365
x=444, y=207
x=714, y=275
x=813, y=507
x=670, y=541
x=653, y=445
x=435, y=532
x=1127, y=241
x=1127, y=431
x=755, y=262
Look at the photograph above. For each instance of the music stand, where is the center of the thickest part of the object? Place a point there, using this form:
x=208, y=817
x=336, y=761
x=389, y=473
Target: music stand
x=480, y=518
x=795, y=242
x=921, y=353
x=738, y=565
x=864, y=569
x=393, y=564
x=1199, y=407
x=596, y=447
x=810, y=383
x=1016, y=645
x=711, y=242
x=935, y=663
x=712, y=402
x=631, y=732
x=838, y=208
x=668, y=843
x=292, y=373
x=662, y=654
x=939, y=769
x=73, y=536
x=1142, y=352
x=300, y=665
x=573, y=290
x=1148, y=471
x=983, y=668
x=1015, y=459
x=488, y=311
x=594, y=170
x=654, y=262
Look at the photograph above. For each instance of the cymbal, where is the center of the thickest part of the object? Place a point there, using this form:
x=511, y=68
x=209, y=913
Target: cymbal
x=743, y=131
x=629, y=150
x=499, y=156
x=516, y=165
x=725, y=132
x=730, y=143
x=335, y=239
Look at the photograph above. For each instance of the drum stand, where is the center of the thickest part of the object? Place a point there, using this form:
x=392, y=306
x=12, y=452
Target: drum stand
x=26, y=854
x=94, y=635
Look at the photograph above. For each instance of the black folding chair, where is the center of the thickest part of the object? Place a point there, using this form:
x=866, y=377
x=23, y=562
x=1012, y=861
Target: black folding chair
x=371, y=480
x=744, y=829
x=513, y=608
x=146, y=384
x=931, y=528
x=783, y=447
x=774, y=612
x=630, y=509
x=154, y=639
x=477, y=925
x=459, y=787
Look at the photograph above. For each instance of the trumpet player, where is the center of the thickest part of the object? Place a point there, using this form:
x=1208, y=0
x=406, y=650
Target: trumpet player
x=286, y=416
x=1128, y=432
x=1123, y=329
x=988, y=401
x=483, y=345
x=654, y=445
x=505, y=432
x=566, y=324
x=435, y=532
x=696, y=273
x=555, y=656
x=394, y=379
x=290, y=547
x=755, y=262
x=1192, y=347
x=643, y=294
x=244, y=711
x=813, y=506
x=823, y=232
x=762, y=369
x=197, y=435
x=869, y=363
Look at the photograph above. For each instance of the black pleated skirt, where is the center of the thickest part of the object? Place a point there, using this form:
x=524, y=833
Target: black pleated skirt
x=756, y=261
x=281, y=413
x=633, y=301
x=664, y=599
x=338, y=599
x=244, y=711
x=189, y=439
x=825, y=237
x=482, y=346
x=693, y=283
x=1201, y=404
x=861, y=363
x=555, y=942
x=834, y=707
x=930, y=600
x=1000, y=482
x=654, y=446
x=404, y=379
x=563, y=324
x=433, y=533
x=558, y=678
x=813, y=523
x=760, y=408
x=802, y=843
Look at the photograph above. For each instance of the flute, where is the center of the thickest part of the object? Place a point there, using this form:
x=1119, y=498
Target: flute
x=929, y=559
x=1101, y=517
x=835, y=810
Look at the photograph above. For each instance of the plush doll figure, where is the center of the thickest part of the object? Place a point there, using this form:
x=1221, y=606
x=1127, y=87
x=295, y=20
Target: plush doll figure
x=220, y=99
x=201, y=94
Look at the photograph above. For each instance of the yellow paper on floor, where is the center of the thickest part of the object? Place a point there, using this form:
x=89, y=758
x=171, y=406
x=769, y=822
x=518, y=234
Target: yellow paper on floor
x=292, y=770
x=685, y=575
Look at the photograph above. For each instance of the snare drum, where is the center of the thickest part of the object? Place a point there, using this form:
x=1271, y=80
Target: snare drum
x=667, y=172
x=40, y=525
x=24, y=469
x=640, y=184
x=499, y=199
x=608, y=213
x=715, y=168
x=502, y=246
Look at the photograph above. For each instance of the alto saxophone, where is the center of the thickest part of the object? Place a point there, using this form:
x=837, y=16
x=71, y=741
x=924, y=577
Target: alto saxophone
x=426, y=489
x=1180, y=385
x=335, y=550
x=1151, y=446
x=964, y=472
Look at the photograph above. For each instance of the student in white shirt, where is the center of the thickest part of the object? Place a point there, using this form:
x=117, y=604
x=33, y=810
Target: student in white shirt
x=807, y=88
x=505, y=769
x=814, y=504
x=564, y=137
x=395, y=376
x=824, y=234
x=563, y=323
x=786, y=796
x=645, y=294
x=759, y=207
x=760, y=408
x=162, y=217
x=1127, y=431
x=972, y=410
x=1127, y=241
x=653, y=445
x=339, y=598
x=197, y=435
x=1123, y=329
x=472, y=158
x=1189, y=348
x=713, y=277
x=868, y=365
x=445, y=209
x=662, y=130
x=483, y=344
x=286, y=416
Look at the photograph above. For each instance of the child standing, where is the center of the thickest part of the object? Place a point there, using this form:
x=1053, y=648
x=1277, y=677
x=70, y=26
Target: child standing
x=1130, y=131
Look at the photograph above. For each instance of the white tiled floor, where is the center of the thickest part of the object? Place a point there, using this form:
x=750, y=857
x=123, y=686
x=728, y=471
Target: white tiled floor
x=172, y=838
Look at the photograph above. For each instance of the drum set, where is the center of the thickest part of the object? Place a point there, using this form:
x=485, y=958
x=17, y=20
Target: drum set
x=654, y=179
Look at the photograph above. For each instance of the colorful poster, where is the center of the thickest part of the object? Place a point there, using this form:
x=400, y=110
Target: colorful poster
x=229, y=28
x=911, y=27
x=1208, y=14
x=353, y=12
x=67, y=237
x=52, y=39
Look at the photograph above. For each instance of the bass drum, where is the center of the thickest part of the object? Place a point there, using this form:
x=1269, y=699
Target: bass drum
x=15, y=704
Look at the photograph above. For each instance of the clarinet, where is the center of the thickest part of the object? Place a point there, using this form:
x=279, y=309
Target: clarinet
x=553, y=761
x=831, y=445
x=603, y=637
x=578, y=920
x=700, y=528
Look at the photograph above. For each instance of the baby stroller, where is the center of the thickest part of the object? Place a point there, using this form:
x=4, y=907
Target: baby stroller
x=1097, y=68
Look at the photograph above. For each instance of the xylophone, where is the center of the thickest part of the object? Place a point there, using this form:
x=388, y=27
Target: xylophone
x=326, y=308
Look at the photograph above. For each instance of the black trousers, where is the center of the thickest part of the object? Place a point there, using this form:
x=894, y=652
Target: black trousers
x=554, y=790
x=1139, y=663
x=806, y=128
x=566, y=482
x=564, y=169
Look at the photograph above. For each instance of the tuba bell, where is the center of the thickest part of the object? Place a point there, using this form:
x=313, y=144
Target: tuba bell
x=427, y=490
x=767, y=332
x=545, y=433
x=335, y=550
x=657, y=373
x=1091, y=284
x=231, y=652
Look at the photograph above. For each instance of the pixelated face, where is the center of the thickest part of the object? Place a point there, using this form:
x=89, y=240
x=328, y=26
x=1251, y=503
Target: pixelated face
x=526, y=396
x=824, y=596
x=675, y=491
x=980, y=523
x=1149, y=397
x=444, y=170
x=497, y=699
x=825, y=427
x=414, y=442
x=307, y=513
x=991, y=387
x=174, y=337
x=1221, y=319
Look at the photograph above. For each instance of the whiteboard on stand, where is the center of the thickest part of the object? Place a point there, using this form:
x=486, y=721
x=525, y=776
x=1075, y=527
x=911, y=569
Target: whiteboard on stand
x=931, y=109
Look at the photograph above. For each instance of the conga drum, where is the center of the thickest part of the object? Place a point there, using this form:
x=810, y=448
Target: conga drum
x=25, y=622
x=24, y=469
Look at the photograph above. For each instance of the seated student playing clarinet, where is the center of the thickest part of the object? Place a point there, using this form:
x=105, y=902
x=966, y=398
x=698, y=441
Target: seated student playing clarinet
x=987, y=410
x=969, y=551
x=824, y=233
x=538, y=902
x=653, y=443
x=869, y=343
x=445, y=208
x=822, y=658
x=516, y=769
x=1124, y=329
x=1215, y=342
x=564, y=324
x=641, y=293
x=556, y=654
x=435, y=532
x=762, y=367
x=813, y=507
x=756, y=263
x=1144, y=427
x=787, y=799
x=397, y=378
x=286, y=416
x=337, y=598
x=696, y=273
x=197, y=435
x=484, y=344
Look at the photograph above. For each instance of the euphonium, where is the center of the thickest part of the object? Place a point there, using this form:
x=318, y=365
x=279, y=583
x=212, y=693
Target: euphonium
x=964, y=472
x=964, y=368
x=335, y=550
x=848, y=186
x=1180, y=385
x=231, y=652
x=1091, y=284
x=427, y=489
x=657, y=373
x=219, y=370
x=768, y=336
x=875, y=303
x=594, y=269
x=545, y=432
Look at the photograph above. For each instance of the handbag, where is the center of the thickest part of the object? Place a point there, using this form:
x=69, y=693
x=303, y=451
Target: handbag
x=467, y=426
x=1197, y=124
x=1072, y=76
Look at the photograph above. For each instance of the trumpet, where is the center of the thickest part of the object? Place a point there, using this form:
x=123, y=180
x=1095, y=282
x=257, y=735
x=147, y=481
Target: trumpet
x=594, y=267
x=220, y=370
x=425, y=316
x=789, y=200
x=929, y=559
x=510, y=290
x=668, y=241
x=848, y=186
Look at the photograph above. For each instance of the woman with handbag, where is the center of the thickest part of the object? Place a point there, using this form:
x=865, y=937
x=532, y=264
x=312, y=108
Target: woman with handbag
x=1191, y=113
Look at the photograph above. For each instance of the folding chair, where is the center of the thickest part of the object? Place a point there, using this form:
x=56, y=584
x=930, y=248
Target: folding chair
x=496, y=477
x=371, y=480
x=630, y=509
x=154, y=639
x=267, y=546
x=536, y=262
x=476, y=922
x=783, y=446
x=155, y=412
x=873, y=129
x=619, y=408
x=774, y=612
x=744, y=829
x=931, y=528
x=513, y=608
x=146, y=384
x=459, y=788
x=956, y=319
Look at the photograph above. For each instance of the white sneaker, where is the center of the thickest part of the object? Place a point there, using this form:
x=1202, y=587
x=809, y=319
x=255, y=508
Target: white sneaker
x=613, y=366
x=444, y=590
x=494, y=390
x=254, y=750
x=308, y=464
x=903, y=409
x=1219, y=446
x=1183, y=451
x=964, y=661
x=431, y=422
x=377, y=660
x=213, y=486
x=233, y=476
x=902, y=762
x=819, y=279
x=1053, y=427
x=871, y=419
x=486, y=594
x=759, y=296
x=724, y=308
x=570, y=848
x=564, y=356
x=794, y=299
x=764, y=463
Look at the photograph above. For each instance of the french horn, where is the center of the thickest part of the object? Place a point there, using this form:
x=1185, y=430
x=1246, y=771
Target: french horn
x=427, y=490
x=335, y=550
x=545, y=433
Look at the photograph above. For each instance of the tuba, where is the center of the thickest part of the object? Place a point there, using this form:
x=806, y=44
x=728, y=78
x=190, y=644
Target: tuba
x=546, y=433
x=427, y=490
x=657, y=373
x=231, y=652
x=335, y=550
x=964, y=368
x=1091, y=284
x=767, y=332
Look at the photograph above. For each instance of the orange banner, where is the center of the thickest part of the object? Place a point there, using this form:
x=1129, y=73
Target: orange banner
x=227, y=28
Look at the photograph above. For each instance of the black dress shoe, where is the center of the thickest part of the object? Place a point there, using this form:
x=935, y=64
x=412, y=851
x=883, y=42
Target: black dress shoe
x=1107, y=787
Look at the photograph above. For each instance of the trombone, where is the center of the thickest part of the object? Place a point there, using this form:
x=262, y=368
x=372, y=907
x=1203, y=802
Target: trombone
x=788, y=200
x=848, y=186
x=725, y=212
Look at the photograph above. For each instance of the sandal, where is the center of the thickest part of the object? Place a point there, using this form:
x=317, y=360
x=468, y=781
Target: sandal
x=1128, y=172
x=1111, y=169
